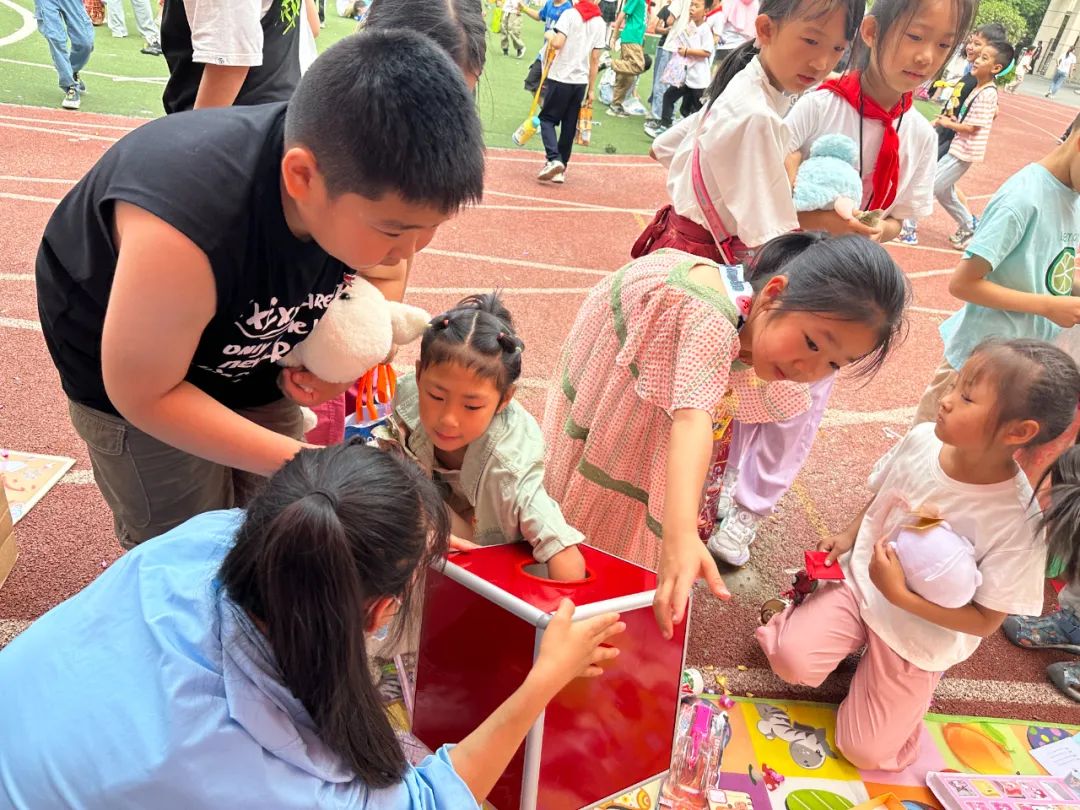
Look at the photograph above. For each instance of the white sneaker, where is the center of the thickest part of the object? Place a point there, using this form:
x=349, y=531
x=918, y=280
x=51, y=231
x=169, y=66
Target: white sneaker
x=560, y=177
x=726, y=501
x=731, y=539
x=551, y=168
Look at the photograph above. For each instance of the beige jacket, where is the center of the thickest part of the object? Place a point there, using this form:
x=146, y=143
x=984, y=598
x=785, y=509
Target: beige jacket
x=502, y=476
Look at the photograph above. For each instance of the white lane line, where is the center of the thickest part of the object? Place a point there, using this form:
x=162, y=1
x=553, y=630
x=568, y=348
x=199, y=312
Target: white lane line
x=762, y=682
x=1053, y=135
x=26, y=28
x=472, y=290
x=78, y=478
x=538, y=160
x=16, y=276
x=898, y=416
x=19, y=323
x=558, y=209
x=580, y=203
x=68, y=122
x=476, y=257
x=932, y=310
x=958, y=254
x=14, y=178
x=160, y=80
x=9, y=195
x=930, y=273
x=73, y=134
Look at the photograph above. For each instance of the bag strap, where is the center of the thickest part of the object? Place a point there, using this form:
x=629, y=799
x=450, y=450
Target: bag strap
x=715, y=225
x=969, y=101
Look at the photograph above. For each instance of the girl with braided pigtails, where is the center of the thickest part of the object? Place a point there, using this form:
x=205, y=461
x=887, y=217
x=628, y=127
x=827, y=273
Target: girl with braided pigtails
x=457, y=417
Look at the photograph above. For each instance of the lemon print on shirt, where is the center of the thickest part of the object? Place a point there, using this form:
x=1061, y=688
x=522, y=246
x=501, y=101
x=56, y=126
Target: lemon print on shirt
x=1059, y=276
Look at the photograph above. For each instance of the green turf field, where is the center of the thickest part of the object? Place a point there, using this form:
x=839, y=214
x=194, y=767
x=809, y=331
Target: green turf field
x=123, y=81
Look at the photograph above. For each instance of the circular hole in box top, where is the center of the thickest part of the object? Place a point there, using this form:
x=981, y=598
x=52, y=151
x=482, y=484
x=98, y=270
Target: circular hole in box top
x=539, y=571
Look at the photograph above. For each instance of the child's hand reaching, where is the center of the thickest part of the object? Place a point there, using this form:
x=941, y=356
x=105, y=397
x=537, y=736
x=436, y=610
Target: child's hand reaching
x=836, y=546
x=567, y=566
x=682, y=560
x=304, y=388
x=572, y=649
x=886, y=572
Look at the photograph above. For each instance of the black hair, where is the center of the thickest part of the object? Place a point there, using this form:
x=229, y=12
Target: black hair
x=387, y=111
x=848, y=278
x=477, y=334
x=783, y=11
x=893, y=16
x=1006, y=54
x=1061, y=518
x=333, y=530
x=1033, y=380
x=992, y=32
x=457, y=26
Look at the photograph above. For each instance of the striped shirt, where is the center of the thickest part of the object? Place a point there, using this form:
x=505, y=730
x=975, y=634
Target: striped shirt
x=982, y=109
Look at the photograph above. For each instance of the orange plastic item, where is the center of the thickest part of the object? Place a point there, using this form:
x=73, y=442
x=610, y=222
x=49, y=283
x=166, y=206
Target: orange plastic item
x=377, y=386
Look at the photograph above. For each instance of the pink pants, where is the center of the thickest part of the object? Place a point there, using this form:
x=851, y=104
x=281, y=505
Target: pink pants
x=880, y=721
x=768, y=456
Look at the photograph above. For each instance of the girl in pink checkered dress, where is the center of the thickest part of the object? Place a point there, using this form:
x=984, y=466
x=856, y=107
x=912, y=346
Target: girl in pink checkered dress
x=667, y=351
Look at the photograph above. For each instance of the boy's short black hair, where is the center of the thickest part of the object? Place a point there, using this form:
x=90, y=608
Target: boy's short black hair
x=1006, y=53
x=388, y=111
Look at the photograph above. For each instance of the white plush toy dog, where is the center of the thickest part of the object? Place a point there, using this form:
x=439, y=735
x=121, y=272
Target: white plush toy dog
x=356, y=333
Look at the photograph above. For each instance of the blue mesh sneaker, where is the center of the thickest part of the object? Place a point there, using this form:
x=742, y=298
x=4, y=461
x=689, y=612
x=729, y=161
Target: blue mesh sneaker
x=1056, y=631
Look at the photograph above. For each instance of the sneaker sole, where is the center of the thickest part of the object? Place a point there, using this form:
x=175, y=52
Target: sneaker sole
x=70, y=106
x=736, y=562
x=549, y=174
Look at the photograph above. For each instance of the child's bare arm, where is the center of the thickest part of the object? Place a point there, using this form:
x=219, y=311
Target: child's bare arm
x=162, y=298
x=968, y=283
x=683, y=557
x=888, y=576
x=220, y=85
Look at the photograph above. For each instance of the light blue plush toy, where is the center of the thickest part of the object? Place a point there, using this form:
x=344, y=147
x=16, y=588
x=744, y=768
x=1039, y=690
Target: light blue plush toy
x=828, y=178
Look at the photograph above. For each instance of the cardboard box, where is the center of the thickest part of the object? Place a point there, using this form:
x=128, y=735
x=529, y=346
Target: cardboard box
x=8, y=550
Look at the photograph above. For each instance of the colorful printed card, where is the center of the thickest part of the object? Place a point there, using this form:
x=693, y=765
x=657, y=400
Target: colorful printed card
x=26, y=477
x=959, y=791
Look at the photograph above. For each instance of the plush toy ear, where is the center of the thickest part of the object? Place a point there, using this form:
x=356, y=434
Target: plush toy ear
x=407, y=322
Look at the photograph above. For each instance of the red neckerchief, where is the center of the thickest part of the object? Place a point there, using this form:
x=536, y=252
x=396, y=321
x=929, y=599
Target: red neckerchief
x=887, y=168
x=716, y=10
x=587, y=9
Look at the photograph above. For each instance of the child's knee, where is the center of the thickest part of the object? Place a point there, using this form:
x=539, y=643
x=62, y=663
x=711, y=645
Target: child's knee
x=789, y=661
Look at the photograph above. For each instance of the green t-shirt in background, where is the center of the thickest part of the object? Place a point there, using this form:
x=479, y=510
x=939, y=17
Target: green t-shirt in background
x=633, y=32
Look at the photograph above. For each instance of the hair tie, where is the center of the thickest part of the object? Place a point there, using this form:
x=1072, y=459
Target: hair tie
x=330, y=497
x=445, y=322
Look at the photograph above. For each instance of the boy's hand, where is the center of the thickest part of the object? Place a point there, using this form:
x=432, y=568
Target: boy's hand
x=304, y=388
x=461, y=544
x=836, y=546
x=567, y=566
x=886, y=572
x=572, y=649
x=1063, y=310
x=682, y=560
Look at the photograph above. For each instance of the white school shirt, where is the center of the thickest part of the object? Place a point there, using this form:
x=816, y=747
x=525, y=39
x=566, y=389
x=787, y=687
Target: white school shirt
x=1065, y=63
x=743, y=146
x=999, y=520
x=823, y=112
x=698, y=38
x=571, y=65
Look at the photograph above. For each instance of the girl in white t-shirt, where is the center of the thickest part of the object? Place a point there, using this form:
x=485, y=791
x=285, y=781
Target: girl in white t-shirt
x=902, y=45
x=1009, y=395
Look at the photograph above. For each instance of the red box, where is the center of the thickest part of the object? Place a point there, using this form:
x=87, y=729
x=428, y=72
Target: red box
x=484, y=616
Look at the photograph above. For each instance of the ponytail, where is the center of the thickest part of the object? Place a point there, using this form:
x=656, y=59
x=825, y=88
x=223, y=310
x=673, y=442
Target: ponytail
x=1061, y=519
x=335, y=530
x=733, y=63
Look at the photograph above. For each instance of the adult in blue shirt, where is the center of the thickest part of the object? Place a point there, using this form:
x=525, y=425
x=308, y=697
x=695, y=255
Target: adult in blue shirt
x=223, y=664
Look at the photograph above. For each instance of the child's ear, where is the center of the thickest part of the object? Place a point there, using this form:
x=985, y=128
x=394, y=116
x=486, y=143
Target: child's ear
x=509, y=395
x=765, y=29
x=1021, y=431
x=299, y=172
x=869, y=30
x=774, y=287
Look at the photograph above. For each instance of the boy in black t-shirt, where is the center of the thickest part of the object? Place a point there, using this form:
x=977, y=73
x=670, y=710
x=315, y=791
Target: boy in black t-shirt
x=204, y=245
